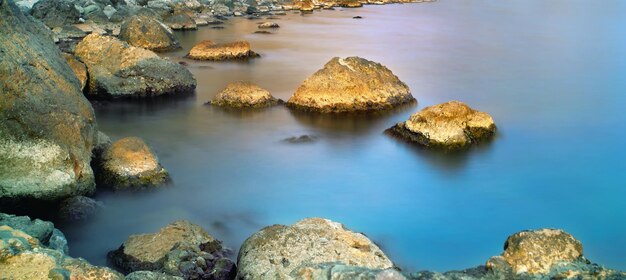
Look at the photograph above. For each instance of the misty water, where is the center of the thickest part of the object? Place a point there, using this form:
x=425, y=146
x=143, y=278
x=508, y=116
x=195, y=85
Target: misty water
x=551, y=73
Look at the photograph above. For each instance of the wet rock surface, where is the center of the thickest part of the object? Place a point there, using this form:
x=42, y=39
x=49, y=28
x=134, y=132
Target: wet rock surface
x=351, y=84
x=179, y=249
x=449, y=126
x=47, y=126
x=276, y=252
x=148, y=33
x=209, y=50
x=129, y=164
x=118, y=70
x=244, y=95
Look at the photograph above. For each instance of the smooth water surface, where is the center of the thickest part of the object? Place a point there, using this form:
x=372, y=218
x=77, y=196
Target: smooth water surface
x=551, y=73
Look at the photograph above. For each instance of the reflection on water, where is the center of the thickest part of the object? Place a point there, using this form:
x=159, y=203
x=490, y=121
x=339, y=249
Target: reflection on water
x=549, y=72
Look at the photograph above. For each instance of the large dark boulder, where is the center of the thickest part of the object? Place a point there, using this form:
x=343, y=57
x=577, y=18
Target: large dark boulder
x=47, y=127
x=55, y=13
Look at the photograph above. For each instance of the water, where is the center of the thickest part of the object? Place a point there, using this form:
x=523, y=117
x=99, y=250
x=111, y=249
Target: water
x=549, y=72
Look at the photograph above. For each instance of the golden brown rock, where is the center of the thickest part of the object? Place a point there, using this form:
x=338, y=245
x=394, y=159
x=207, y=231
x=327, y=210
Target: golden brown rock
x=277, y=251
x=209, y=50
x=128, y=164
x=148, y=33
x=268, y=24
x=350, y=85
x=79, y=69
x=450, y=126
x=244, y=95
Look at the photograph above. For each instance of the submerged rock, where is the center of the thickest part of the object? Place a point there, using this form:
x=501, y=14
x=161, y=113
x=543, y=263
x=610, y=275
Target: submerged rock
x=24, y=256
x=129, y=164
x=300, y=139
x=148, y=33
x=79, y=208
x=244, y=95
x=179, y=249
x=48, y=127
x=78, y=68
x=268, y=25
x=55, y=13
x=209, y=50
x=350, y=85
x=117, y=70
x=450, y=126
x=278, y=251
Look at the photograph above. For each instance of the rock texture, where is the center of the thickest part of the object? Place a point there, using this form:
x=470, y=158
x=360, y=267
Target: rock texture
x=244, y=95
x=79, y=208
x=449, y=126
x=209, y=50
x=78, y=68
x=47, y=127
x=25, y=257
x=56, y=13
x=129, y=164
x=337, y=271
x=278, y=251
x=117, y=70
x=180, y=249
x=349, y=85
x=148, y=33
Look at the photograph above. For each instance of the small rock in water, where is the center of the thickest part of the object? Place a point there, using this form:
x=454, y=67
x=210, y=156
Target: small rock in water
x=357, y=17
x=262, y=32
x=300, y=139
x=209, y=50
x=268, y=25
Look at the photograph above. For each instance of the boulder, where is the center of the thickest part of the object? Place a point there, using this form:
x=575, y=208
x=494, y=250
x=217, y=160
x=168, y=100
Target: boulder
x=129, y=164
x=79, y=208
x=536, y=251
x=180, y=21
x=449, y=126
x=278, y=251
x=350, y=85
x=268, y=25
x=47, y=127
x=148, y=33
x=117, y=70
x=179, y=249
x=55, y=13
x=209, y=50
x=244, y=95
x=78, y=68
x=25, y=257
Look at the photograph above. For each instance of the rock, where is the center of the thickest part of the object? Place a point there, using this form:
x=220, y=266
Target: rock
x=357, y=17
x=209, y=50
x=268, y=25
x=449, y=126
x=79, y=208
x=117, y=70
x=148, y=33
x=68, y=32
x=48, y=127
x=535, y=252
x=103, y=142
x=180, y=249
x=300, y=139
x=109, y=11
x=23, y=256
x=78, y=68
x=129, y=164
x=55, y=13
x=244, y=95
x=38, y=229
x=277, y=251
x=333, y=271
x=180, y=20
x=149, y=275
x=350, y=85
x=262, y=32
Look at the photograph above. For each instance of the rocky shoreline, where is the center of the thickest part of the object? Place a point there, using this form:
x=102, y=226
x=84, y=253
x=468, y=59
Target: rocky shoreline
x=53, y=156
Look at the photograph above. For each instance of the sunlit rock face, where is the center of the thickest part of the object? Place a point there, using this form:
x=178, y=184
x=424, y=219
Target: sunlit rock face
x=118, y=70
x=244, y=95
x=209, y=50
x=129, y=164
x=179, y=249
x=449, y=126
x=28, y=251
x=78, y=68
x=350, y=85
x=47, y=127
x=148, y=33
x=277, y=252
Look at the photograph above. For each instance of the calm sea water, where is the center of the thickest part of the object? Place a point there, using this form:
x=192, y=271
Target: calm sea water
x=551, y=73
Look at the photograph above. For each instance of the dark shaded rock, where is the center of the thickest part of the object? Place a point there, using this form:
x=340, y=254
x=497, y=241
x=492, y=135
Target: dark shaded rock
x=300, y=139
x=55, y=13
x=47, y=127
x=79, y=208
x=78, y=68
x=357, y=17
x=262, y=32
x=148, y=33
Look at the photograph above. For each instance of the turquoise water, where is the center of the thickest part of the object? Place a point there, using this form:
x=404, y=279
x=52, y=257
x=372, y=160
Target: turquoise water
x=549, y=72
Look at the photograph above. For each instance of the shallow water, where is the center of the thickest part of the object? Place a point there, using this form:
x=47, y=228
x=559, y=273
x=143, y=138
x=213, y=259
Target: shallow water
x=549, y=72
